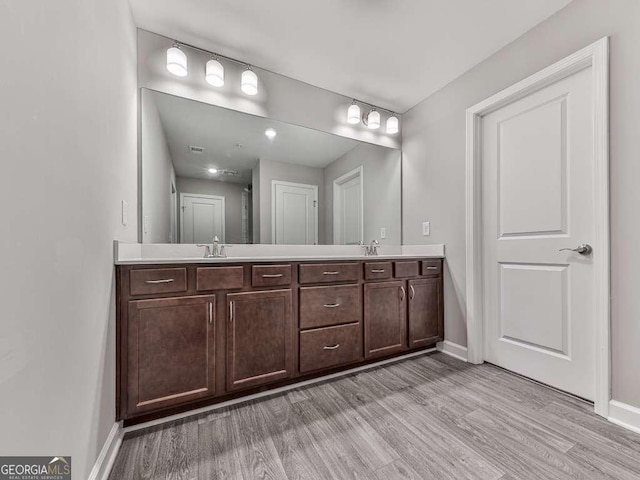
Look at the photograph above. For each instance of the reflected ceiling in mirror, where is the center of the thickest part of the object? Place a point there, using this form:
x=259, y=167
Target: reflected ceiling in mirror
x=209, y=171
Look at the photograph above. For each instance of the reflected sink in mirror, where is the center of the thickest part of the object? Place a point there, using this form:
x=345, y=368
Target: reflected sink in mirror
x=209, y=171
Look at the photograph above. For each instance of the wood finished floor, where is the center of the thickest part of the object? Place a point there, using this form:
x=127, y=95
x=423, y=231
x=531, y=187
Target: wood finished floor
x=430, y=417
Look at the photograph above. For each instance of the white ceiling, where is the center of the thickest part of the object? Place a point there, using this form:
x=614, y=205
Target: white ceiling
x=391, y=53
x=219, y=130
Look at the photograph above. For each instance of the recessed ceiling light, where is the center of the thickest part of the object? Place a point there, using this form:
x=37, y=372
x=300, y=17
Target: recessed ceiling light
x=270, y=133
x=213, y=171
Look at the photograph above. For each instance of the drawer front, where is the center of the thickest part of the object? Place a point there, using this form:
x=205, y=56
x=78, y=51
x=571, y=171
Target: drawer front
x=407, y=269
x=431, y=267
x=219, y=278
x=322, y=306
x=329, y=272
x=330, y=347
x=158, y=281
x=270, y=275
x=377, y=270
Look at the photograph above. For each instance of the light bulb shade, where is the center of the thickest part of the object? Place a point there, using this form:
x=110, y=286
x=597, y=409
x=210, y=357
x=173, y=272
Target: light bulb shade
x=249, y=83
x=214, y=73
x=177, y=62
x=353, y=114
x=373, y=119
x=392, y=125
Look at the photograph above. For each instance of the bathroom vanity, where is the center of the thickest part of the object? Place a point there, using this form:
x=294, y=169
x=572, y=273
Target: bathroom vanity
x=190, y=334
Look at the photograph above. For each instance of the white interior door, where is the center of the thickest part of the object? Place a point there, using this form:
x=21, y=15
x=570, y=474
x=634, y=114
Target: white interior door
x=347, y=209
x=538, y=198
x=202, y=217
x=294, y=212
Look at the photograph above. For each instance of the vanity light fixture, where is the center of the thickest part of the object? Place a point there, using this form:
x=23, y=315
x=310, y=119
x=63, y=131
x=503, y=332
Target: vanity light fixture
x=270, y=133
x=214, y=73
x=373, y=119
x=177, y=61
x=249, y=82
x=392, y=125
x=213, y=171
x=353, y=113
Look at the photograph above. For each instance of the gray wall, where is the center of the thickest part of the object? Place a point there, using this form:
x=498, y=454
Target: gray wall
x=286, y=172
x=232, y=193
x=434, y=162
x=255, y=202
x=157, y=174
x=382, y=191
x=69, y=126
x=279, y=97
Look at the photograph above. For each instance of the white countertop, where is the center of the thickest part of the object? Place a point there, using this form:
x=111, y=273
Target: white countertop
x=141, y=254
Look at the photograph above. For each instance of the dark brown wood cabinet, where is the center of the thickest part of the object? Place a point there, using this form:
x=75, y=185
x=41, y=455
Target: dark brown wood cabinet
x=189, y=335
x=171, y=351
x=385, y=318
x=426, y=312
x=259, y=338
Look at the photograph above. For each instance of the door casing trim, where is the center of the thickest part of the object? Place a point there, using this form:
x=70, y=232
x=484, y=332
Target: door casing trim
x=595, y=56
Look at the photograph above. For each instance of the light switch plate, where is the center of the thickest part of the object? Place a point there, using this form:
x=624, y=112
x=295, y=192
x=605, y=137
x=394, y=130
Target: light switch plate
x=383, y=233
x=426, y=229
x=125, y=213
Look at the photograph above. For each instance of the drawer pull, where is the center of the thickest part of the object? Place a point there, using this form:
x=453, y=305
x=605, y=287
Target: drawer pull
x=272, y=275
x=331, y=273
x=331, y=305
x=154, y=282
x=332, y=347
x=432, y=268
x=377, y=270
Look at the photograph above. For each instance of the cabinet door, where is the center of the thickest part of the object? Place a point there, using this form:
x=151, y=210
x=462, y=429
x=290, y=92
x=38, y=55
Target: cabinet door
x=385, y=319
x=259, y=338
x=170, y=351
x=426, y=319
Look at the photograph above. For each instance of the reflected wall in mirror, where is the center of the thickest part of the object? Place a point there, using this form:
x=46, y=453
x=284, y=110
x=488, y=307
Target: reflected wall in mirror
x=209, y=171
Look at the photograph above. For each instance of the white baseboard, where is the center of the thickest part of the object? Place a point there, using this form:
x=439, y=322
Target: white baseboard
x=453, y=349
x=107, y=457
x=275, y=391
x=624, y=415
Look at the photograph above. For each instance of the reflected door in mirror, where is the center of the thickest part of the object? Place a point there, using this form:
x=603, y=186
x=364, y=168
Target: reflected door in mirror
x=295, y=213
x=347, y=208
x=203, y=217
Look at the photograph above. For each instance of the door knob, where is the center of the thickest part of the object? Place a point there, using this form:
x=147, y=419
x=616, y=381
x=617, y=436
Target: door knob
x=584, y=249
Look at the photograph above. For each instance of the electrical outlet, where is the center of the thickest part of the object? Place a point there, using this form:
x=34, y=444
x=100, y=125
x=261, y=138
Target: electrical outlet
x=426, y=229
x=146, y=223
x=383, y=233
x=125, y=213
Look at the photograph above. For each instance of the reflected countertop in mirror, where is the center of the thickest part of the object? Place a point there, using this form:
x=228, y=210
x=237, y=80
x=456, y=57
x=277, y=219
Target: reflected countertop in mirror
x=207, y=172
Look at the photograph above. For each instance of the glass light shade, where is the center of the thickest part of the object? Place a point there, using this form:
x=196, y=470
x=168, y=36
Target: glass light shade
x=177, y=62
x=214, y=73
x=392, y=125
x=373, y=120
x=353, y=114
x=249, y=83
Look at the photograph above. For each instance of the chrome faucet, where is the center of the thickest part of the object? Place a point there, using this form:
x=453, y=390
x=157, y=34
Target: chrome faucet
x=371, y=249
x=215, y=250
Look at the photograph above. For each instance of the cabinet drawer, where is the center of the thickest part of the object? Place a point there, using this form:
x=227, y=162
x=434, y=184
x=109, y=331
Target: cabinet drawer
x=157, y=281
x=270, y=275
x=322, y=306
x=329, y=272
x=219, y=278
x=330, y=347
x=407, y=269
x=377, y=270
x=431, y=267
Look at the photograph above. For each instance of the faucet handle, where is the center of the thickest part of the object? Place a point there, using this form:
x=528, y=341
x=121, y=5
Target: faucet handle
x=207, y=250
x=222, y=252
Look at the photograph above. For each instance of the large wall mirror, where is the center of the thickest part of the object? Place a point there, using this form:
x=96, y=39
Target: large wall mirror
x=207, y=170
